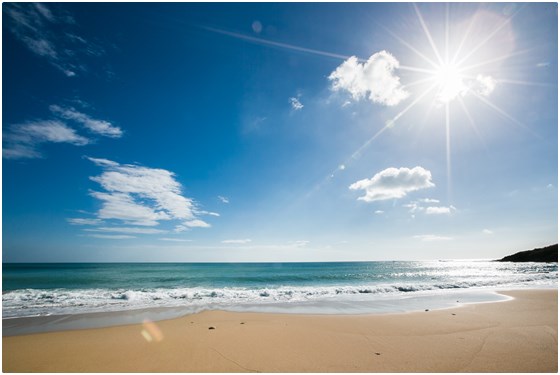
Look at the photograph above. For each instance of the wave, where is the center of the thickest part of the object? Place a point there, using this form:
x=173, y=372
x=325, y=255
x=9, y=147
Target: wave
x=33, y=302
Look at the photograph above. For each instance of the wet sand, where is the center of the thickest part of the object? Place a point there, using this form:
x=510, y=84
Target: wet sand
x=520, y=335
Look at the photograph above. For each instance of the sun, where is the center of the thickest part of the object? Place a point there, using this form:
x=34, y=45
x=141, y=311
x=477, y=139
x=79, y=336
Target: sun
x=449, y=82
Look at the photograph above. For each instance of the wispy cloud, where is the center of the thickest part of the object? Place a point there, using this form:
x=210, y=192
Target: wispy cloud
x=299, y=243
x=223, y=199
x=22, y=140
x=296, y=104
x=50, y=32
x=111, y=236
x=543, y=64
x=374, y=79
x=440, y=210
x=174, y=239
x=432, y=237
x=379, y=212
x=487, y=231
x=141, y=196
x=393, y=183
x=129, y=230
x=197, y=223
x=79, y=221
x=243, y=241
x=100, y=127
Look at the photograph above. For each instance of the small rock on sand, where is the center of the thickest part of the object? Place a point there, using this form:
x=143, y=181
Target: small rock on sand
x=211, y=327
x=427, y=310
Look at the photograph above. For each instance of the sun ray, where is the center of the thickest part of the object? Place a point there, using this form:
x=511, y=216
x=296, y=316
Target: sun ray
x=392, y=122
x=447, y=33
x=493, y=60
x=418, y=82
x=506, y=115
x=448, y=150
x=420, y=54
x=277, y=44
x=525, y=83
x=489, y=37
x=427, y=32
x=415, y=69
x=471, y=121
x=465, y=36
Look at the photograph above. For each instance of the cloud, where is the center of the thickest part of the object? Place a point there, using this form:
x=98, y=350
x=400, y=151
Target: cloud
x=299, y=243
x=223, y=199
x=174, y=239
x=296, y=104
x=244, y=241
x=111, y=236
x=100, y=127
x=374, y=79
x=21, y=140
x=432, y=237
x=543, y=64
x=196, y=224
x=79, y=221
x=129, y=230
x=487, y=231
x=393, y=183
x=379, y=212
x=428, y=200
x=484, y=85
x=49, y=32
x=439, y=210
x=141, y=196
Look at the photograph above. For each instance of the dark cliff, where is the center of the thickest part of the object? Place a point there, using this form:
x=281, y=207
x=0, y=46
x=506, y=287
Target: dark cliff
x=544, y=254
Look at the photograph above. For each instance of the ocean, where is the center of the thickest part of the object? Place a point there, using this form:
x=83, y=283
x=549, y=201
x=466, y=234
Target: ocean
x=42, y=290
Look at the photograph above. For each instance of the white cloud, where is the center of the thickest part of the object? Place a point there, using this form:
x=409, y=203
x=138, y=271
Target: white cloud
x=209, y=213
x=79, y=221
x=119, y=206
x=543, y=64
x=47, y=32
x=129, y=230
x=484, y=85
x=174, y=239
x=296, y=104
x=299, y=243
x=393, y=183
x=155, y=184
x=142, y=196
x=111, y=236
x=21, y=140
x=223, y=199
x=487, y=231
x=432, y=237
x=100, y=127
x=375, y=79
x=428, y=200
x=196, y=224
x=244, y=241
x=379, y=212
x=440, y=210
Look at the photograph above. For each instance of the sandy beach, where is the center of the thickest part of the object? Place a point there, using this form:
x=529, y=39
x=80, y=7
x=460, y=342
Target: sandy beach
x=520, y=335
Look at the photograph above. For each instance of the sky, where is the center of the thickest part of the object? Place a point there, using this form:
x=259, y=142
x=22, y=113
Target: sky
x=270, y=132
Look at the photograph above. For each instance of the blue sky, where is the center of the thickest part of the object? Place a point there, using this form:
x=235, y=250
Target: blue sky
x=278, y=132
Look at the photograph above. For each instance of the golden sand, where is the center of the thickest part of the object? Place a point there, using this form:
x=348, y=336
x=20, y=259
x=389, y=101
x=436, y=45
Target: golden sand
x=520, y=335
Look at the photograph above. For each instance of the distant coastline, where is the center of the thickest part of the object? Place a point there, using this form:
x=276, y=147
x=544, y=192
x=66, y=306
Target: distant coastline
x=546, y=254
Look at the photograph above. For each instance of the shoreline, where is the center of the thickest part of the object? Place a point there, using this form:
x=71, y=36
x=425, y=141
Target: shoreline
x=374, y=305
x=518, y=335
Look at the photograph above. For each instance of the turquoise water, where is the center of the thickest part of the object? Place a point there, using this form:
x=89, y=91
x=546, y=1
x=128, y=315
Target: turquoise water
x=58, y=289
